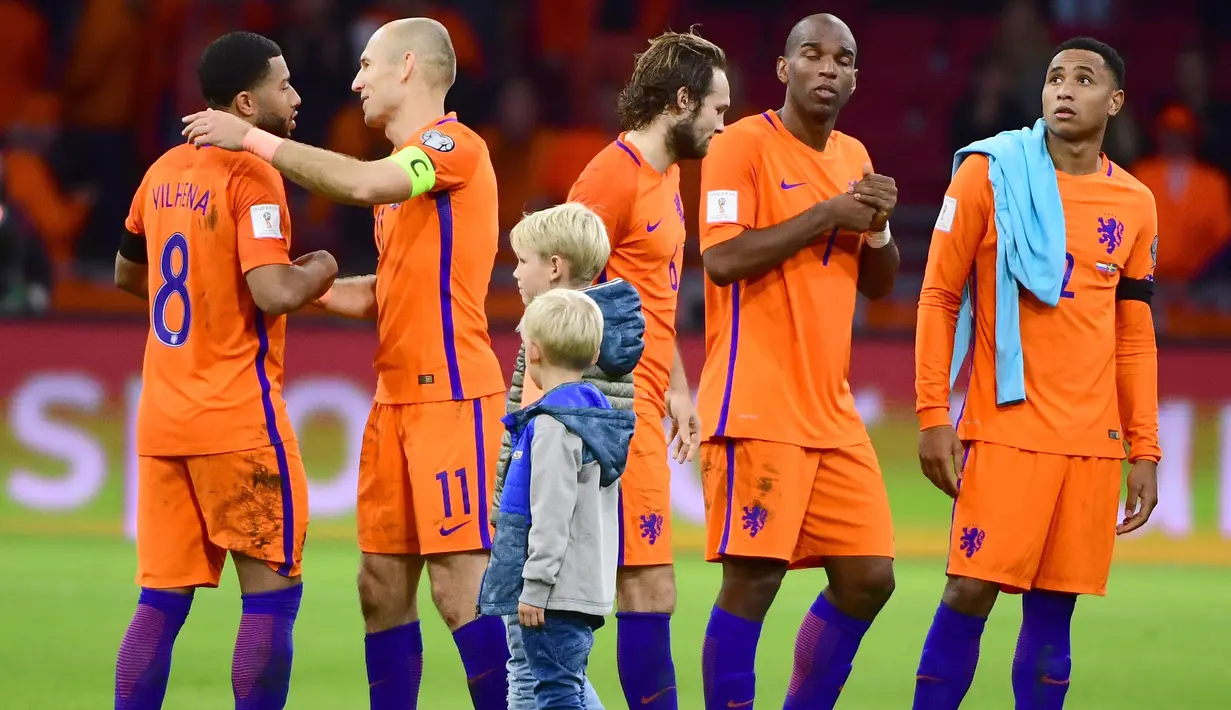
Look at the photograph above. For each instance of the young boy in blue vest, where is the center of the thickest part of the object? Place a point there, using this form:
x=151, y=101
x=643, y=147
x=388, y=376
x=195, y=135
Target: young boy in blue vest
x=553, y=561
x=566, y=246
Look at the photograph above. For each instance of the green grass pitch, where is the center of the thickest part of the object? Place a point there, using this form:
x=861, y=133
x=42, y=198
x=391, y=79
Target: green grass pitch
x=1159, y=640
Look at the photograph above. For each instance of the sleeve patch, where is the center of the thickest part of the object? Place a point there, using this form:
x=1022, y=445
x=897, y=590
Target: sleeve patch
x=721, y=206
x=948, y=210
x=266, y=221
x=436, y=140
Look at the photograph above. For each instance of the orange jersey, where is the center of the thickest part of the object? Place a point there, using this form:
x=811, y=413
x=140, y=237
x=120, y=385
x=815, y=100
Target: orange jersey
x=436, y=254
x=213, y=362
x=1072, y=351
x=645, y=223
x=778, y=347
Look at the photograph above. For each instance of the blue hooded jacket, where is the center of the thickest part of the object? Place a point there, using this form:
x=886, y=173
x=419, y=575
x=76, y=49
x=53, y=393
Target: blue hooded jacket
x=605, y=434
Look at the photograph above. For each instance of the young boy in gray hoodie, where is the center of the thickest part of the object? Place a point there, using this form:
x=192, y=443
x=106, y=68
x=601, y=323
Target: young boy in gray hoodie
x=554, y=555
x=567, y=247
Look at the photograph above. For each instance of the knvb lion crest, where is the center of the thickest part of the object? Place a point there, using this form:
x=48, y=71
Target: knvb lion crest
x=972, y=541
x=651, y=526
x=1111, y=233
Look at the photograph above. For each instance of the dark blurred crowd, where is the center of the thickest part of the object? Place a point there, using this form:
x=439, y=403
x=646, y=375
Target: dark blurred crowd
x=92, y=92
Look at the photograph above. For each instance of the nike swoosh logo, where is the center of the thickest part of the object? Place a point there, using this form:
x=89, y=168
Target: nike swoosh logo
x=788, y=186
x=476, y=679
x=746, y=703
x=652, y=227
x=446, y=532
x=1048, y=680
x=656, y=696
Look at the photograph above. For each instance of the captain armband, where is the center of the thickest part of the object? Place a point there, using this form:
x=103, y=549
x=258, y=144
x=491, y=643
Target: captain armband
x=418, y=167
x=1135, y=290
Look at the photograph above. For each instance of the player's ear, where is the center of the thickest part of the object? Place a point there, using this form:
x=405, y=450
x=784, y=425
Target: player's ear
x=683, y=101
x=782, y=67
x=244, y=104
x=854, y=80
x=1116, y=102
x=533, y=355
x=408, y=65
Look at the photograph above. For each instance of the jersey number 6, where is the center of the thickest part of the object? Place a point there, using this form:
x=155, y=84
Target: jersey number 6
x=173, y=282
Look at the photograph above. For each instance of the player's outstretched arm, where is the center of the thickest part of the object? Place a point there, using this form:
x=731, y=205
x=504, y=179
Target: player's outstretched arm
x=753, y=252
x=339, y=177
x=281, y=288
x=351, y=297
x=132, y=271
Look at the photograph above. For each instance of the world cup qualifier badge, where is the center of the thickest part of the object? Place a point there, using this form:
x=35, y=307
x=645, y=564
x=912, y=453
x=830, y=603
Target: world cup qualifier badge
x=436, y=140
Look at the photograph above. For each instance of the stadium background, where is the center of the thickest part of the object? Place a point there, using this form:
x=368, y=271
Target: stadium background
x=92, y=90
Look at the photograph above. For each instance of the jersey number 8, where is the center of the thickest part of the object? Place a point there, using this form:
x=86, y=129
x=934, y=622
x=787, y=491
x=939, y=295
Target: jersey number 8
x=173, y=283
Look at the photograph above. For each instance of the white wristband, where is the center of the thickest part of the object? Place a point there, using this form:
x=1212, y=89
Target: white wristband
x=876, y=240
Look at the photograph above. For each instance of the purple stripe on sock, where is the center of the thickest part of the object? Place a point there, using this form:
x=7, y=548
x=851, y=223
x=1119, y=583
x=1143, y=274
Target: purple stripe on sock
x=144, y=660
x=264, y=649
x=825, y=648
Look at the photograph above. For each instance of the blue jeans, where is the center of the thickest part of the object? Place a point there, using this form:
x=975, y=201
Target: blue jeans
x=560, y=651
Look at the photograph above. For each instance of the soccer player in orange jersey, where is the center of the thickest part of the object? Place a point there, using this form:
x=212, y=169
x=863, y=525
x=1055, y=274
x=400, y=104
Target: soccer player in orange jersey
x=429, y=452
x=1037, y=486
x=670, y=109
x=219, y=467
x=794, y=224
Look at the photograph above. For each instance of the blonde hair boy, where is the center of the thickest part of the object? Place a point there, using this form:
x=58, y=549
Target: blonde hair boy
x=565, y=245
x=563, y=330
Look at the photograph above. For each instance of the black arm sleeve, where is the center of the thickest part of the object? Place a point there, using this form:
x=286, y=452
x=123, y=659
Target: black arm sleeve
x=1135, y=290
x=132, y=247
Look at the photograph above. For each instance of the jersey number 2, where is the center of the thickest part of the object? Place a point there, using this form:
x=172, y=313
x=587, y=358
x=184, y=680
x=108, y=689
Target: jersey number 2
x=1068, y=274
x=173, y=283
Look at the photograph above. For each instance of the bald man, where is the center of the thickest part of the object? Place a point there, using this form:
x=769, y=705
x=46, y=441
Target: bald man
x=793, y=227
x=427, y=466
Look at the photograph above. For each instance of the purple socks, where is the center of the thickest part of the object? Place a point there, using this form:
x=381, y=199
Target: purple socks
x=728, y=661
x=395, y=666
x=950, y=655
x=485, y=652
x=144, y=662
x=824, y=651
x=643, y=656
x=261, y=667
x=1042, y=662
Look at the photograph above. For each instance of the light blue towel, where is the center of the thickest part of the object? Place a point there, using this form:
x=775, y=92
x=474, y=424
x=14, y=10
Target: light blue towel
x=1030, y=247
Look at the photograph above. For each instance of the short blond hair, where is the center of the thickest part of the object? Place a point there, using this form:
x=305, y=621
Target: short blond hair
x=567, y=327
x=570, y=231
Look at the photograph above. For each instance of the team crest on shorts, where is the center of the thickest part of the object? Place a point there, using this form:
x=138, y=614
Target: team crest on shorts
x=651, y=526
x=972, y=540
x=755, y=518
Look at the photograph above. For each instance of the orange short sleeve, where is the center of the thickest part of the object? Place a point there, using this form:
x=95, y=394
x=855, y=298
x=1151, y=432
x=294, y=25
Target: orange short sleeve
x=262, y=219
x=728, y=189
x=135, y=222
x=1143, y=259
x=609, y=197
x=454, y=152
